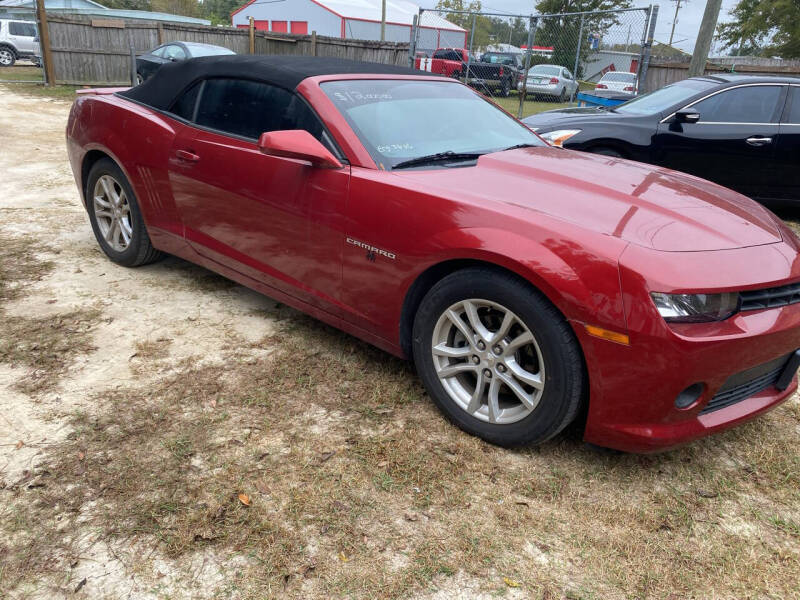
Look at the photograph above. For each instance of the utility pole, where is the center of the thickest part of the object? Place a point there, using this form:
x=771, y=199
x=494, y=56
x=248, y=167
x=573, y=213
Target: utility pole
x=44, y=44
x=383, y=20
x=698, y=65
x=675, y=20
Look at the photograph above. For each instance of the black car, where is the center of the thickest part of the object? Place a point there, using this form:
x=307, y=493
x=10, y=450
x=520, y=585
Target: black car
x=742, y=132
x=149, y=63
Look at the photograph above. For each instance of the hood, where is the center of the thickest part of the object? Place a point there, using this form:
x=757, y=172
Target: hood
x=641, y=204
x=572, y=116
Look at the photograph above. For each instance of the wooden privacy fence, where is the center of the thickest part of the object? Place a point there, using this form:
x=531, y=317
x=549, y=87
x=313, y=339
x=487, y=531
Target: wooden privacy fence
x=98, y=51
x=664, y=72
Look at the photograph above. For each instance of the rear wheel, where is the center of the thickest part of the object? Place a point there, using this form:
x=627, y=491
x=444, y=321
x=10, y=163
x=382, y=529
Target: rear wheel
x=115, y=216
x=7, y=57
x=505, y=89
x=497, y=358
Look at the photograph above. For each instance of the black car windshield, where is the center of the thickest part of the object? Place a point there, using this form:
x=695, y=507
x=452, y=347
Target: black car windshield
x=198, y=50
x=664, y=99
x=398, y=120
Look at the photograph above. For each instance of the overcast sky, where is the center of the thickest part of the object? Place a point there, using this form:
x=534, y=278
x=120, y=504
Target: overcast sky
x=689, y=17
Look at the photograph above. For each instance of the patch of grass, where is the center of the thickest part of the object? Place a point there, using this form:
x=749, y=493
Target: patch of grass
x=532, y=106
x=358, y=488
x=19, y=266
x=46, y=346
x=37, y=90
x=21, y=72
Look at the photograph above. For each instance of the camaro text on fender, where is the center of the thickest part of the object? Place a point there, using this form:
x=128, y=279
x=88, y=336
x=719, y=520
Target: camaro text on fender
x=371, y=248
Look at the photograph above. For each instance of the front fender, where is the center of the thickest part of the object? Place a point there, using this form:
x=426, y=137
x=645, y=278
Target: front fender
x=581, y=279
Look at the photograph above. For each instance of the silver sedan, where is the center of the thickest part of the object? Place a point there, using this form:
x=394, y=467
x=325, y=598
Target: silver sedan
x=550, y=80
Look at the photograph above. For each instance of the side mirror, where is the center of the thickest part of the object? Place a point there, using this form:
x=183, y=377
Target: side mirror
x=687, y=115
x=299, y=144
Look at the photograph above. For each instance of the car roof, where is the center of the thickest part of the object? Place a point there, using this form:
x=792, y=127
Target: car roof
x=736, y=78
x=160, y=90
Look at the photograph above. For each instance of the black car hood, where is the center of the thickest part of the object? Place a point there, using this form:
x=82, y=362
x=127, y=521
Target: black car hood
x=570, y=116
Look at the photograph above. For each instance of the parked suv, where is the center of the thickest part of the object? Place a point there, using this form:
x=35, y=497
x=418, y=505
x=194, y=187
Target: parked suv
x=18, y=39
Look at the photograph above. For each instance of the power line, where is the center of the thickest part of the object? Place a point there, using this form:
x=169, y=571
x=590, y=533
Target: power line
x=675, y=20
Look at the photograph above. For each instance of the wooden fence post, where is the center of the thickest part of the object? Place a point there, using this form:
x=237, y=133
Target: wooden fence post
x=252, y=35
x=313, y=43
x=160, y=33
x=44, y=44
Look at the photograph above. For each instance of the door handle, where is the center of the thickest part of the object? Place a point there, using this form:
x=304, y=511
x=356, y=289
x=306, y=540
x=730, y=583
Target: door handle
x=759, y=141
x=187, y=156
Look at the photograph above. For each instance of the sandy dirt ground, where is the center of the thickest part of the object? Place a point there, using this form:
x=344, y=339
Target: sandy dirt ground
x=205, y=313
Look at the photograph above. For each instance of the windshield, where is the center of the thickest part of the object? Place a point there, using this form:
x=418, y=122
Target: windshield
x=398, y=120
x=626, y=77
x=501, y=59
x=201, y=50
x=663, y=99
x=544, y=70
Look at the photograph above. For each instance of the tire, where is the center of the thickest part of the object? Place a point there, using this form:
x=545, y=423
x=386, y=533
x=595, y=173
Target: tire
x=605, y=151
x=551, y=357
x=139, y=78
x=7, y=56
x=116, y=218
x=562, y=97
x=505, y=89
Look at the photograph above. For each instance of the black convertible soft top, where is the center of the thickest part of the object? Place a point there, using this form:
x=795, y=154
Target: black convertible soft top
x=171, y=79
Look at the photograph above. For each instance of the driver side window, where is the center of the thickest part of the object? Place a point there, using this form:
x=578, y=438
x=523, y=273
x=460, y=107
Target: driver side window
x=751, y=104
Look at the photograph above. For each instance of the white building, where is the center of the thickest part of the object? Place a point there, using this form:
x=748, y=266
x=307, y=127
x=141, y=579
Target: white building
x=352, y=19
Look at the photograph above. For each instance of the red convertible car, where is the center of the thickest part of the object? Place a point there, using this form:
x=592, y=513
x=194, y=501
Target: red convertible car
x=531, y=285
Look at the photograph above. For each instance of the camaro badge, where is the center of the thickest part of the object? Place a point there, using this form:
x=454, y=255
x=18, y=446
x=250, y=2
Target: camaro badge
x=372, y=251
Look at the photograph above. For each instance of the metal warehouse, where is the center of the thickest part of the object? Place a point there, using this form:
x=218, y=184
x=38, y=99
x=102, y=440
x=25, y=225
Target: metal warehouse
x=353, y=19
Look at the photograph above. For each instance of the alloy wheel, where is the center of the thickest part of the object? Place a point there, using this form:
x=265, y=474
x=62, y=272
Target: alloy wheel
x=113, y=213
x=488, y=361
x=6, y=57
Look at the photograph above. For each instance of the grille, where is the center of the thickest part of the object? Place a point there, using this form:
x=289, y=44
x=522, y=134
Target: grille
x=747, y=383
x=771, y=297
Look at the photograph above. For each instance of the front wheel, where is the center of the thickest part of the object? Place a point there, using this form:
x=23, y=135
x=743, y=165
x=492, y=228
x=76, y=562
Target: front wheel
x=116, y=218
x=7, y=57
x=497, y=358
x=562, y=97
x=139, y=79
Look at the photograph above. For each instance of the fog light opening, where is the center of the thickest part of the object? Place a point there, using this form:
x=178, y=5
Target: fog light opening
x=689, y=397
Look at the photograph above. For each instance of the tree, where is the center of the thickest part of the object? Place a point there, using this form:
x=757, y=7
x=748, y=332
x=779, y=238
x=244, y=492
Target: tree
x=562, y=32
x=765, y=27
x=483, y=25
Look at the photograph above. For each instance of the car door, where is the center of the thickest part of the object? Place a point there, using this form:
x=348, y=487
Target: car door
x=277, y=220
x=732, y=143
x=23, y=36
x=786, y=186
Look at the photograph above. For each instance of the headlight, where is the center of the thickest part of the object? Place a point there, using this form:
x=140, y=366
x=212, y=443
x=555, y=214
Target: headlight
x=559, y=136
x=696, y=308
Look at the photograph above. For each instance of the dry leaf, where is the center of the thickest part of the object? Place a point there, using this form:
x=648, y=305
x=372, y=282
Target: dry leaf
x=244, y=499
x=510, y=582
x=327, y=456
x=20, y=444
x=343, y=557
x=262, y=487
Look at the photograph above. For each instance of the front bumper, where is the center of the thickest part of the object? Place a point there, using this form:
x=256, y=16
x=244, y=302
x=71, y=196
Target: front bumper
x=633, y=388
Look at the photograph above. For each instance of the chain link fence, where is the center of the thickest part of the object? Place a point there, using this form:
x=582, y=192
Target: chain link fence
x=529, y=63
